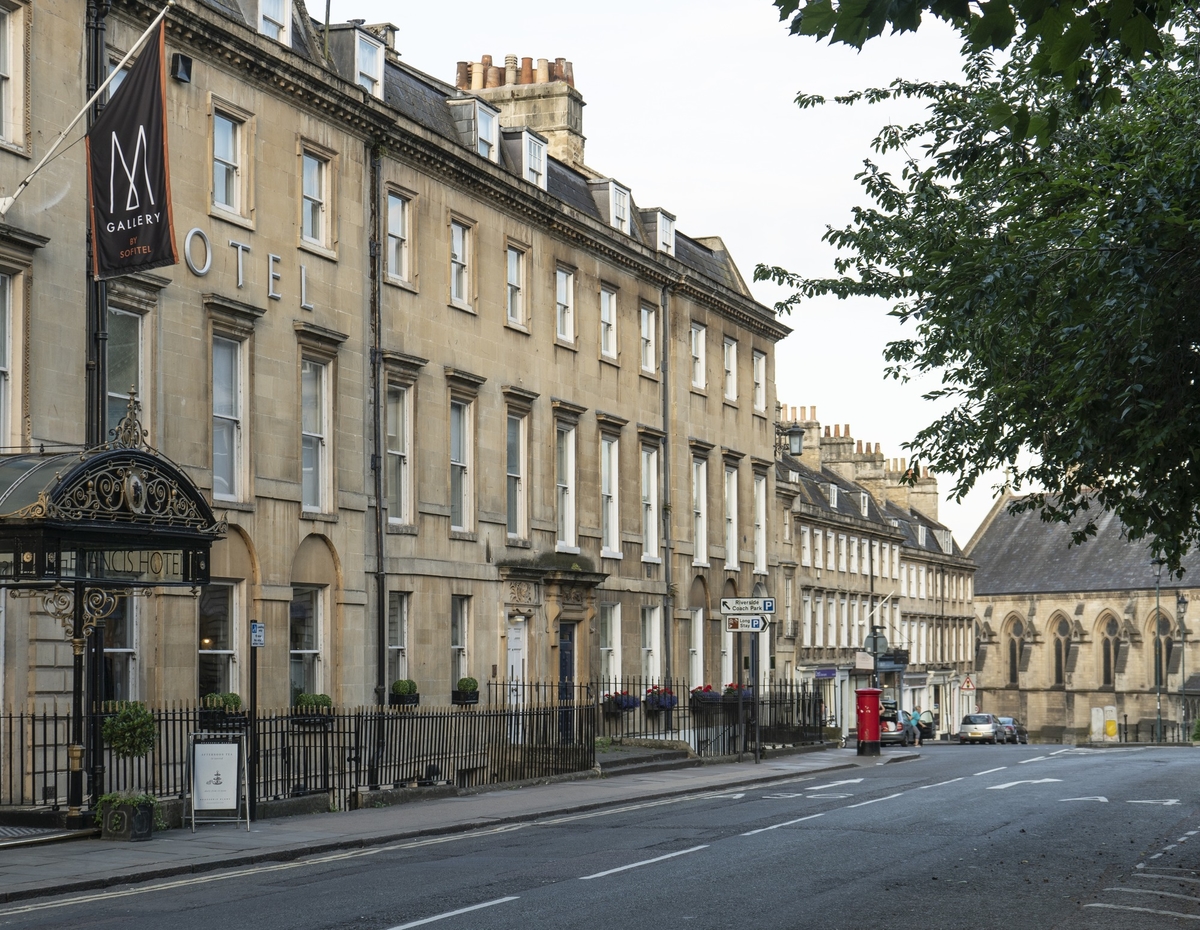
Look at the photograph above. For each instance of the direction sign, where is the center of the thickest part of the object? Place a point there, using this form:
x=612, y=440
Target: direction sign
x=745, y=624
x=967, y=684
x=747, y=605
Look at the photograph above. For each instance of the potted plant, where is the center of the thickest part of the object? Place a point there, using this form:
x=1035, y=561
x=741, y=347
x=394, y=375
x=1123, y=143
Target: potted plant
x=312, y=709
x=615, y=703
x=467, y=692
x=733, y=689
x=404, y=693
x=705, y=694
x=659, y=698
x=222, y=712
x=130, y=733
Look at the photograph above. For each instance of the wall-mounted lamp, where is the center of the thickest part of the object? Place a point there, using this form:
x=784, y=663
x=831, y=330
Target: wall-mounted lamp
x=789, y=440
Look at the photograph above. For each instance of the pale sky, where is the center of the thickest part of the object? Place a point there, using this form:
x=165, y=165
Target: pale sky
x=691, y=105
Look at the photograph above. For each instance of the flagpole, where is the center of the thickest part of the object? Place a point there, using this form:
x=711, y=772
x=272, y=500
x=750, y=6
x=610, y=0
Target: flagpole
x=7, y=202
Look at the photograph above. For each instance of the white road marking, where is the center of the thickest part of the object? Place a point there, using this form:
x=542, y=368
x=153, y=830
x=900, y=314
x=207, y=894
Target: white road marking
x=780, y=797
x=634, y=865
x=939, y=784
x=1166, y=802
x=1156, y=856
x=778, y=825
x=1145, y=910
x=1160, y=894
x=735, y=797
x=1097, y=798
x=829, y=797
x=1034, y=759
x=461, y=910
x=876, y=801
x=834, y=784
x=989, y=771
x=1169, y=878
x=1027, y=781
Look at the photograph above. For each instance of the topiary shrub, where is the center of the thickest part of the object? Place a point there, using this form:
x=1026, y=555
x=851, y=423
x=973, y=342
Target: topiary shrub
x=404, y=686
x=468, y=684
x=131, y=731
x=313, y=700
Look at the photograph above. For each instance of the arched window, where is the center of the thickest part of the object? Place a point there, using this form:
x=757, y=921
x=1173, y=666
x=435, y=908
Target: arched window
x=1162, y=651
x=1108, y=653
x=1061, y=632
x=1014, y=650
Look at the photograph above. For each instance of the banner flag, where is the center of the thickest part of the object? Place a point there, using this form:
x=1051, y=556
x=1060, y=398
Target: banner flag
x=129, y=179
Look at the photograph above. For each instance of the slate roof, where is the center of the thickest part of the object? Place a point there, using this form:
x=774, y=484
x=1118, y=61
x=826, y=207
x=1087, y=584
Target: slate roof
x=1019, y=554
x=420, y=100
x=569, y=186
x=715, y=265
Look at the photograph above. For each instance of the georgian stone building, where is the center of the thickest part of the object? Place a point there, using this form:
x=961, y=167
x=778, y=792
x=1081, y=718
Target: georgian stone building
x=1069, y=633
x=859, y=547
x=467, y=407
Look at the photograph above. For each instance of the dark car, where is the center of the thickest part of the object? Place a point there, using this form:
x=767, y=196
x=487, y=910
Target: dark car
x=896, y=727
x=1014, y=730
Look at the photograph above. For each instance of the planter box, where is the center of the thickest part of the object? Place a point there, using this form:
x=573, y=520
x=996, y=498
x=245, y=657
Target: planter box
x=654, y=705
x=214, y=719
x=312, y=721
x=404, y=700
x=464, y=697
x=128, y=822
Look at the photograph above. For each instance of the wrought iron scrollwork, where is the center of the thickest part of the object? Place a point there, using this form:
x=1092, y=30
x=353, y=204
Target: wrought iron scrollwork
x=98, y=604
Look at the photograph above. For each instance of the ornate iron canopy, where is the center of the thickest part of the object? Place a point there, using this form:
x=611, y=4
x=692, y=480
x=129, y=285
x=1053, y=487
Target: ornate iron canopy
x=118, y=514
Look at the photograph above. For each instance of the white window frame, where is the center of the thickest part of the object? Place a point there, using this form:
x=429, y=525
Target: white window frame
x=730, y=359
x=229, y=655
x=14, y=67
x=118, y=395
x=620, y=207
x=231, y=419
x=516, y=503
x=699, y=511
x=398, y=440
x=281, y=32
x=230, y=164
x=533, y=160
x=760, y=524
x=514, y=299
x=853, y=549
x=649, y=460
x=610, y=501
x=805, y=546
x=460, y=637
x=842, y=565
x=608, y=322
x=398, y=252
x=460, y=264
x=651, y=636
x=397, y=643
x=758, y=365
x=829, y=550
x=487, y=143
x=731, y=518
x=649, y=338
x=699, y=337
x=462, y=464
x=564, y=479
x=564, y=303
x=314, y=434
x=370, y=75
x=317, y=593
x=666, y=233
x=610, y=641
x=314, y=199
x=6, y=359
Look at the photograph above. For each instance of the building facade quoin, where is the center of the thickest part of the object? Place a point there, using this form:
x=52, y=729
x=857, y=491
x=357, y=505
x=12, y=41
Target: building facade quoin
x=462, y=400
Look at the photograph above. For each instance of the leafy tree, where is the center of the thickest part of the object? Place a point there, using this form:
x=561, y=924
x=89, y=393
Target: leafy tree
x=1052, y=278
x=1083, y=44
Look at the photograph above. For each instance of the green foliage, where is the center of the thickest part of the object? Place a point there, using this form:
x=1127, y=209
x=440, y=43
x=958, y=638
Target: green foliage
x=132, y=798
x=131, y=731
x=468, y=684
x=230, y=701
x=1084, y=46
x=1050, y=273
x=1196, y=731
x=404, y=686
x=304, y=699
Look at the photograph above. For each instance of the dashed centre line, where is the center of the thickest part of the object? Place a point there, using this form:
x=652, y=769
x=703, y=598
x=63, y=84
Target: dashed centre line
x=989, y=771
x=461, y=910
x=634, y=865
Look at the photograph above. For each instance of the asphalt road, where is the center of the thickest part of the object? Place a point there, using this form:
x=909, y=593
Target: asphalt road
x=964, y=837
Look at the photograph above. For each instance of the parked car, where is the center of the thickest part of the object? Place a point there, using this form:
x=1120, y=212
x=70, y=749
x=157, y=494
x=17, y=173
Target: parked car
x=981, y=728
x=1014, y=730
x=896, y=727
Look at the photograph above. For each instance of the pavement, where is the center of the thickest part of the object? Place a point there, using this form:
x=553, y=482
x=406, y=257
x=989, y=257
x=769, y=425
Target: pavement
x=32, y=870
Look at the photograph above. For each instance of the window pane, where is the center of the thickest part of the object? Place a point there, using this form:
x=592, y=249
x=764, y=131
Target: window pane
x=224, y=457
x=216, y=617
x=123, y=352
x=310, y=396
x=225, y=377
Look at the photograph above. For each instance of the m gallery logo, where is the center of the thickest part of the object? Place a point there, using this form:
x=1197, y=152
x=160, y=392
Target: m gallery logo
x=129, y=180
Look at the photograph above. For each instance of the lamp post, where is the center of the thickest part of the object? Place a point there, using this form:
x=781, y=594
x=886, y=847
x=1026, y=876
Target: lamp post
x=789, y=440
x=1181, y=603
x=876, y=643
x=1158, y=656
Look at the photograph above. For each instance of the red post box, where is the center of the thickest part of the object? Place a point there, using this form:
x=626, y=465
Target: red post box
x=867, y=701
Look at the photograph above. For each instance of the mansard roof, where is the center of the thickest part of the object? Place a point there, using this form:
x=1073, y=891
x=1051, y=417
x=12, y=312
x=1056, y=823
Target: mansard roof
x=1019, y=554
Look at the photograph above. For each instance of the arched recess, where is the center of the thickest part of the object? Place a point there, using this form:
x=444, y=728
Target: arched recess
x=1013, y=638
x=1059, y=632
x=314, y=619
x=1107, y=634
x=224, y=610
x=1160, y=635
x=728, y=649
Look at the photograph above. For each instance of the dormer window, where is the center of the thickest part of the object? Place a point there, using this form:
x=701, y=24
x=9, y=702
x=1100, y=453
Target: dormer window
x=486, y=122
x=666, y=233
x=920, y=536
x=833, y=496
x=370, y=65
x=945, y=541
x=619, y=208
x=273, y=19
x=863, y=500
x=533, y=152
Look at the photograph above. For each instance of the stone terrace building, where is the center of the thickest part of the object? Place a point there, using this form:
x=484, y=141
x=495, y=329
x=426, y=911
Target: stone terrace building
x=1068, y=631
x=467, y=407
x=860, y=548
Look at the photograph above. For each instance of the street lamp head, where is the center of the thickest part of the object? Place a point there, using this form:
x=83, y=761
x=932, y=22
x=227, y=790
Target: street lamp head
x=1181, y=603
x=795, y=437
x=1157, y=565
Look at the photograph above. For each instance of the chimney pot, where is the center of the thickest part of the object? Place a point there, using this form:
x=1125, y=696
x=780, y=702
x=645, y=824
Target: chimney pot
x=569, y=73
x=462, y=76
x=526, y=70
x=903, y=464
x=859, y=448
x=813, y=412
x=847, y=430
x=877, y=452
x=543, y=71
x=477, y=75
x=487, y=61
x=510, y=69
x=494, y=76
x=827, y=432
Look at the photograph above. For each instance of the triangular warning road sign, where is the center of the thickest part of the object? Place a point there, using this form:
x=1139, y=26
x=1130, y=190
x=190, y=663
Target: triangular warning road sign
x=967, y=684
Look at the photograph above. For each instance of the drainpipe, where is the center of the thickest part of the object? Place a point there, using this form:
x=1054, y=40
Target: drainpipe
x=668, y=543
x=377, y=400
